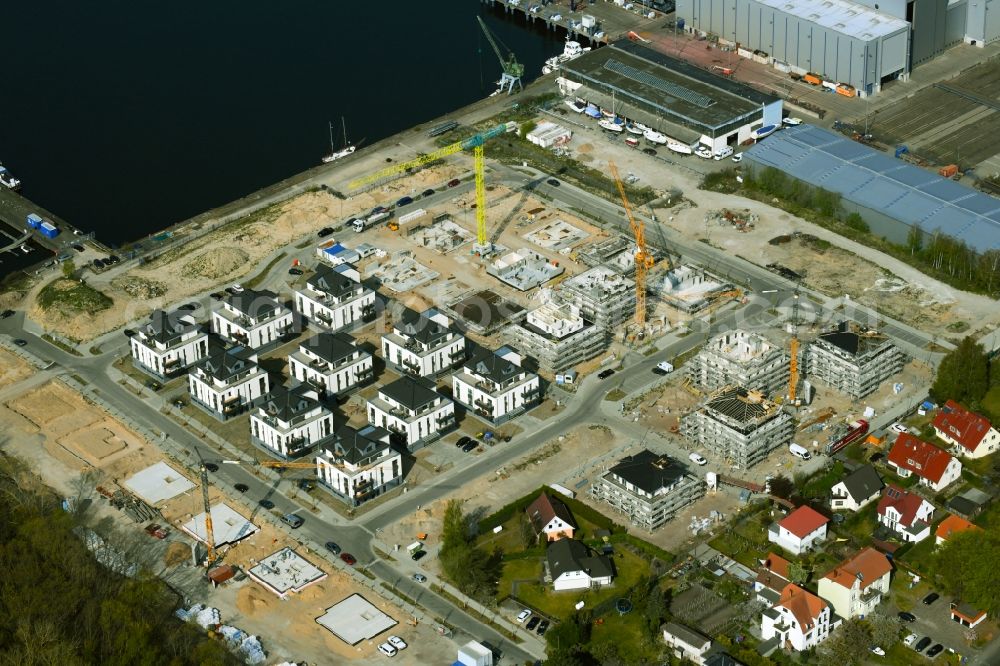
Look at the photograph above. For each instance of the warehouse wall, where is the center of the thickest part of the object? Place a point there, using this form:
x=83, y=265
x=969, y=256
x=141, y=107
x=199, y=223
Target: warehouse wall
x=983, y=23
x=929, y=22
x=956, y=22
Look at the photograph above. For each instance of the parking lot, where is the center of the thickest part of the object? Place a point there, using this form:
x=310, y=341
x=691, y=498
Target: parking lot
x=933, y=621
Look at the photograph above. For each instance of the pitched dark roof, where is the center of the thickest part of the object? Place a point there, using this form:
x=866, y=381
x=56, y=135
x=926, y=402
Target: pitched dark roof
x=649, y=471
x=863, y=482
x=332, y=347
x=420, y=327
x=567, y=555
x=332, y=281
x=355, y=446
x=221, y=363
x=721, y=659
x=254, y=304
x=488, y=364
x=411, y=392
x=545, y=508
x=286, y=403
x=853, y=339
x=165, y=327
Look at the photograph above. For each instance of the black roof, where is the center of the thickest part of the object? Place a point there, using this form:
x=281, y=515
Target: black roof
x=649, y=471
x=853, y=339
x=167, y=326
x=286, y=403
x=355, y=446
x=254, y=304
x=332, y=281
x=421, y=327
x=332, y=347
x=567, y=555
x=411, y=392
x=863, y=482
x=721, y=659
x=222, y=363
x=486, y=363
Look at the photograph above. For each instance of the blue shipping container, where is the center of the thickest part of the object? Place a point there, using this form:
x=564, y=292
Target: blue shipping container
x=34, y=221
x=49, y=230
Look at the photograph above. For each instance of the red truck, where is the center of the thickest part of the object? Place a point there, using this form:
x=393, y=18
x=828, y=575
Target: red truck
x=855, y=431
x=155, y=530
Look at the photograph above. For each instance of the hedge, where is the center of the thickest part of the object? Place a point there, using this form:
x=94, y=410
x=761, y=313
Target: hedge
x=577, y=508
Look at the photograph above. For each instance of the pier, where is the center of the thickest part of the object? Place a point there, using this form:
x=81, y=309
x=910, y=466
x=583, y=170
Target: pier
x=612, y=21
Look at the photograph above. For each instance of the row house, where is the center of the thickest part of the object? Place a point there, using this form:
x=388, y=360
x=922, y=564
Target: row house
x=254, y=319
x=331, y=363
x=334, y=298
x=227, y=381
x=168, y=344
x=290, y=421
x=423, y=344
x=357, y=465
x=412, y=408
x=494, y=386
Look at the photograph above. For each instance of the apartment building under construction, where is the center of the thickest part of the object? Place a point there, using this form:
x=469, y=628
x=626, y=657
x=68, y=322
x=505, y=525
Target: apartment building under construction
x=740, y=358
x=852, y=359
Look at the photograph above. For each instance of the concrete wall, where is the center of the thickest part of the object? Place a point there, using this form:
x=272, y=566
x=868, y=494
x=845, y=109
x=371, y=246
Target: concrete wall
x=955, y=22
x=983, y=22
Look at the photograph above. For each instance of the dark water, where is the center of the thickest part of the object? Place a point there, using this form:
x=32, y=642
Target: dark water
x=123, y=117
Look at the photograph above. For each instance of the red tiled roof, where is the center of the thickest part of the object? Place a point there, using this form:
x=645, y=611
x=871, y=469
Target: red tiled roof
x=965, y=427
x=773, y=573
x=803, y=521
x=776, y=564
x=867, y=566
x=903, y=501
x=953, y=525
x=545, y=508
x=925, y=460
x=804, y=605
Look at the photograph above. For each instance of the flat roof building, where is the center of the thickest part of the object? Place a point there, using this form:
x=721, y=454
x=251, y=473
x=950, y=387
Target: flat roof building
x=742, y=359
x=853, y=360
x=557, y=336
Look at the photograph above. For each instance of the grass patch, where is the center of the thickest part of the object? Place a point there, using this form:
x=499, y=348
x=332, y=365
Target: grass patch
x=459, y=603
x=72, y=297
x=261, y=276
x=721, y=181
x=615, y=394
x=518, y=570
x=626, y=632
x=62, y=345
x=819, y=485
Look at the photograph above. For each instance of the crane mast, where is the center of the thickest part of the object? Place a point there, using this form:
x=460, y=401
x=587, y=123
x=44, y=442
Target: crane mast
x=643, y=259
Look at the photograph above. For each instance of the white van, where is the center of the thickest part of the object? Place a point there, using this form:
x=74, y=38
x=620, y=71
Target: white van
x=723, y=153
x=387, y=650
x=799, y=451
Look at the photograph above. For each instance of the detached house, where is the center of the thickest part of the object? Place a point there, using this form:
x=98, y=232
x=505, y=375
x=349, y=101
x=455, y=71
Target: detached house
x=857, y=489
x=855, y=587
x=494, y=386
x=570, y=566
x=935, y=467
x=334, y=298
x=907, y=513
x=168, y=344
x=331, y=364
x=952, y=525
x=423, y=344
x=800, y=619
x=290, y=421
x=227, y=381
x=799, y=530
x=357, y=465
x=412, y=408
x=772, y=578
x=551, y=518
x=253, y=319
x=686, y=643
x=970, y=434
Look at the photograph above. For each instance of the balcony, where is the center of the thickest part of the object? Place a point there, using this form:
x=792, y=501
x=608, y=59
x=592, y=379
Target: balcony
x=531, y=393
x=410, y=367
x=486, y=387
x=413, y=346
x=321, y=316
x=486, y=413
x=368, y=312
x=297, y=446
x=364, y=374
x=239, y=336
x=483, y=404
x=319, y=364
x=446, y=419
x=170, y=362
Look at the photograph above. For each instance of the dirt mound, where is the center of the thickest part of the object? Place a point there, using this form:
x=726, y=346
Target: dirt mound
x=250, y=601
x=217, y=264
x=140, y=288
x=177, y=553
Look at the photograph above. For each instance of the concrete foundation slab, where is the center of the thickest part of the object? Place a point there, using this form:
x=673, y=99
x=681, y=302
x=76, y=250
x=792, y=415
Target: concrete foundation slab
x=227, y=526
x=355, y=619
x=524, y=269
x=158, y=483
x=286, y=572
x=404, y=273
x=557, y=235
x=443, y=236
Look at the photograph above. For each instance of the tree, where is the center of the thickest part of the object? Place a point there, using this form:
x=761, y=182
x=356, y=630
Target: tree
x=915, y=239
x=965, y=567
x=963, y=374
x=782, y=486
x=797, y=573
x=885, y=629
x=526, y=127
x=846, y=646
x=472, y=570
x=68, y=268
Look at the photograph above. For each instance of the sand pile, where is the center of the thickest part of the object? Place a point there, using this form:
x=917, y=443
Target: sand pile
x=177, y=553
x=217, y=264
x=250, y=600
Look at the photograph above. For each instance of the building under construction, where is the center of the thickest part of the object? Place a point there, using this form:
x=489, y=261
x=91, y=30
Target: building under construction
x=558, y=337
x=740, y=358
x=603, y=295
x=739, y=425
x=852, y=359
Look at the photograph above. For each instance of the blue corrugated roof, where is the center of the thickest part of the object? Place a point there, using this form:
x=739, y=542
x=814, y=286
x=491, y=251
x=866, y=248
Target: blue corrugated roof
x=872, y=179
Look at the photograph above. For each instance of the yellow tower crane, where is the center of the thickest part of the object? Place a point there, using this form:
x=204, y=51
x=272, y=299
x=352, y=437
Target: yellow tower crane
x=483, y=245
x=793, y=350
x=643, y=259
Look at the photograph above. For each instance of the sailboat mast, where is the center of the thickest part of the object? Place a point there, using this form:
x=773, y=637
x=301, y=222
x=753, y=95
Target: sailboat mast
x=343, y=124
x=330, y=124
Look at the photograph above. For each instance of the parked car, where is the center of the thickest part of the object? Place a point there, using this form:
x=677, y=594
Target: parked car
x=792, y=121
x=418, y=555
x=332, y=547
x=6, y=313
x=542, y=628
x=404, y=201
x=533, y=622
x=930, y=598
x=397, y=642
x=604, y=374
x=462, y=441
x=112, y=259
x=266, y=503
x=454, y=182
x=152, y=385
x=935, y=650
x=426, y=193
x=738, y=157
x=348, y=559
x=470, y=446
x=212, y=467
x=909, y=640
x=77, y=247
x=241, y=487
x=649, y=151
x=523, y=615
x=154, y=530
x=295, y=271
x=553, y=182
x=697, y=459
x=189, y=307
x=20, y=342
x=877, y=650
x=922, y=643
x=180, y=403
x=292, y=520
x=906, y=617
x=898, y=428
x=420, y=578
x=387, y=649
x=324, y=232
x=237, y=288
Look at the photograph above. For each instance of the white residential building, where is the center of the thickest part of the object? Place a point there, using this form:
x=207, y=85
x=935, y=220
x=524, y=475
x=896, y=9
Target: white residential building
x=570, y=566
x=423, y=344
x=495, y=387
x=855, y=587
x=331, y=363
x=412, y=408
x=168, y=343
x=357, y=465
x=800, y=619
x=856, y=490
x=971, y=435
x=252, y=318
x=906, y=513
x=334, y=298
x=686, y=643
x=290, y=422
x=799, y=531
x=227, y=381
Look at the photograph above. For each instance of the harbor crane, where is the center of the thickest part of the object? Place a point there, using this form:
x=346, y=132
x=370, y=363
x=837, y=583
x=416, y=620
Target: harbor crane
x=643, y=259
x=512, y=69
x=483, y=246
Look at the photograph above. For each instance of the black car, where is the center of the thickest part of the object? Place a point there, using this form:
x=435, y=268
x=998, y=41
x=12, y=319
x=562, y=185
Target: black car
x=324, y=232
x=20, y=343
x=533, y=622
x=266, y=503
x=922, y=643
x=113, y=259
x=6, y=313
x=429, y=191
x=470, y=446
x=153, y=385
x=241, y=487
x=332, y=547
x=128, y=332
x=98, y=263
x=930, y=598
x=604, y=374
x=305, y=484
x=295, y=271
x=180, y=403
x=542, y=628
x=462, y=441
x=77, y=247
x=936, y=650
x=906, y=617
x=189, y=307
x=212, y=467
x=418, y=555
x=649, y=151
x=217, y=295
x=553, y=182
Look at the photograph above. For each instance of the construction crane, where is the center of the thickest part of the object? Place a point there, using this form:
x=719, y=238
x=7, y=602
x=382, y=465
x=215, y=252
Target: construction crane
x=512, y=69
x=525, y=193
x=643, y=259
x=483, y=246
x=209, y=532
x=793, y=350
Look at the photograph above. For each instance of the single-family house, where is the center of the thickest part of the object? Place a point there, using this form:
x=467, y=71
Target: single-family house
x=551, y=517
x=952, y=525
x=857, y=489
x=570, y=566
x=906, y=513
x=799, y=530
x=936, y=468
x=966, y=615
x=686, y=643
x=254, y=319
x=971, y=434
x=412, y=408
x=855, y=587
x=800, y=620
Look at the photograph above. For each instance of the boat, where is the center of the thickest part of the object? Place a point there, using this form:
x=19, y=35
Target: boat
x=609, y=125
x=8, y=180
x=679, y=148
x=576, y=105
x=655, y=137
x=343, y=152
x=761, y=132
x=631, y=142
x=632, y=129
x=592, y=111
x=610, y=115
x=571, y=51
x=640, y=126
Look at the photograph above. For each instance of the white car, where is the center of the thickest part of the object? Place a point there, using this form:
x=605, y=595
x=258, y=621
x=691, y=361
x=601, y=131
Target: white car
x=704, y=152
x=237, y=287
x=898, y=428
x=397, y=642
x=697, y=459
x=387, y=650
x=910, y=640
x=523, y=615
x=792, y=121
x=738, y=157
x=879, y=651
